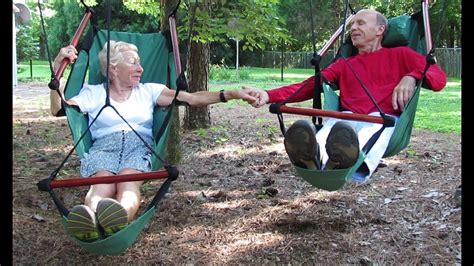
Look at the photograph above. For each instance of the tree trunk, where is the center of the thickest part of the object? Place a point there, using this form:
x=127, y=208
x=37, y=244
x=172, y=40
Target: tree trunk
x=452, y=36
x=198, y=76
x=174, y=148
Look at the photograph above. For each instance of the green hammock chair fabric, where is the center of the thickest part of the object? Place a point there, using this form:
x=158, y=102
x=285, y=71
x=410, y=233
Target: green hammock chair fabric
x=403, y=31
x=158, y=62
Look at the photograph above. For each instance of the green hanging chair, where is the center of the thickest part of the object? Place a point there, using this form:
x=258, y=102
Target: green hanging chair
x=160, y=58
x=332, y=180
x=403, y=31
x=158, y=63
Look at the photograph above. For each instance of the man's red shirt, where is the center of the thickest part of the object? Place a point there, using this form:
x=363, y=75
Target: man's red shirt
x=380, y=71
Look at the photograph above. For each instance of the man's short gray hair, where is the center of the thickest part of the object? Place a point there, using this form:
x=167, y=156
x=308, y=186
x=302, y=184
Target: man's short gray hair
x=381, y=20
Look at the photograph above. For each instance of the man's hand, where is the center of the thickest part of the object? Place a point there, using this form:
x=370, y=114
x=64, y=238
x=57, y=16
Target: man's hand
x=243, y=95
x=260, y=95
x=403, y=92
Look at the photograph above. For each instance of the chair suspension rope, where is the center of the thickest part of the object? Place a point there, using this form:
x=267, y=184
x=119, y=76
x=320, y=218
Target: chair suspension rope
x=46, y=40
x=181, y=83
x=344, y=21
x=55, y=77
x=316, y=61
x=107, y=79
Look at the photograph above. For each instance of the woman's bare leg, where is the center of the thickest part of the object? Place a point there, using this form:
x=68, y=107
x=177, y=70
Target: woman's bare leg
x=99, y=191
x=128, y=194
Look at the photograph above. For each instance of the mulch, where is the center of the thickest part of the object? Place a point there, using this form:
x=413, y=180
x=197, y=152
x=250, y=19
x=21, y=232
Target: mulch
x=239, y=201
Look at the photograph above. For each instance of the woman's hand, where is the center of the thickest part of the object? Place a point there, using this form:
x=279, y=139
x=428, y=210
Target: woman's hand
x=68, y=52
x=260, y=95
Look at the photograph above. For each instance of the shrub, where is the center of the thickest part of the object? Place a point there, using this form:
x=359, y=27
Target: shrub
x=244, y=73
x=219, y=72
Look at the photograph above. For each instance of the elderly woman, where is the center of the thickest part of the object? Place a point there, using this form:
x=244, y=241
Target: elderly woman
x=116, y=149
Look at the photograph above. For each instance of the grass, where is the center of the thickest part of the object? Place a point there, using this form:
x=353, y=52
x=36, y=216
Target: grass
x=40, y=71
x=440, y=111
x=437, y=111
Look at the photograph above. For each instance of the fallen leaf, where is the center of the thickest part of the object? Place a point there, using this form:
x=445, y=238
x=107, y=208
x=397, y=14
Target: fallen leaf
x=38, y=218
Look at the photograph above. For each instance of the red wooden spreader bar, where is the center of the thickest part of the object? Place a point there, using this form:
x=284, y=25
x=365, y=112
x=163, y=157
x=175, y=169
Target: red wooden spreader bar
x=327, y=113
x=81, y=181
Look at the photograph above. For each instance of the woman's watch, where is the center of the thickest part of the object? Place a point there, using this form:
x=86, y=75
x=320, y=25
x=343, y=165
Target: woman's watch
x=222, y=97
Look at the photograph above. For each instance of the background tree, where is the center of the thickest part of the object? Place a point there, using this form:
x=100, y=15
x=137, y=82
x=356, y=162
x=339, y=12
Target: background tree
x=68, y=14
x=198, y=69
x=328, y=16
x=446, y=23
x=254, y=22
x=28, y=39
x=270, y=20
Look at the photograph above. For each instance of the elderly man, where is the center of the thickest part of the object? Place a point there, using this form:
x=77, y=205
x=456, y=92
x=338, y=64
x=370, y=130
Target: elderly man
x=390, y=74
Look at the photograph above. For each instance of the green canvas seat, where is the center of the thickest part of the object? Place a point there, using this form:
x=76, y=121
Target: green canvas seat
x=157, y=62
x=117, y=243
x=403, y=31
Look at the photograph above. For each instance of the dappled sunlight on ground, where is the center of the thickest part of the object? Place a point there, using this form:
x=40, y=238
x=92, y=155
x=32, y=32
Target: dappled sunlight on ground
x=238, y=200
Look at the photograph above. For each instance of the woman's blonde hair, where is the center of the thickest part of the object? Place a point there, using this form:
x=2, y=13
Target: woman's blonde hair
x=116, y=49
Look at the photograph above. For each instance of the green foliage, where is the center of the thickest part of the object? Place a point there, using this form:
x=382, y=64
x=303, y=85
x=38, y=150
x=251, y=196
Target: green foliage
x=67, y=15
x=144, y=7
x=126, y=20
x=258, y=24
x=244, y=73
x=328, y=16
x=27, y=43
x=222, y=53
x=201, y=132
x=63, y=24
x=219, y=73
x=266, y=193
x=446, y=23
x=230, y=19
x=219, y=133
x=262, y=120
x=28, y=38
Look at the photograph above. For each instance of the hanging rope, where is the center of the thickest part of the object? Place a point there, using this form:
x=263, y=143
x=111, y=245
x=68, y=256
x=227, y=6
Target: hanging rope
x=107, y=78
x=315, y=61
x=344, y=21
x=46, y=42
